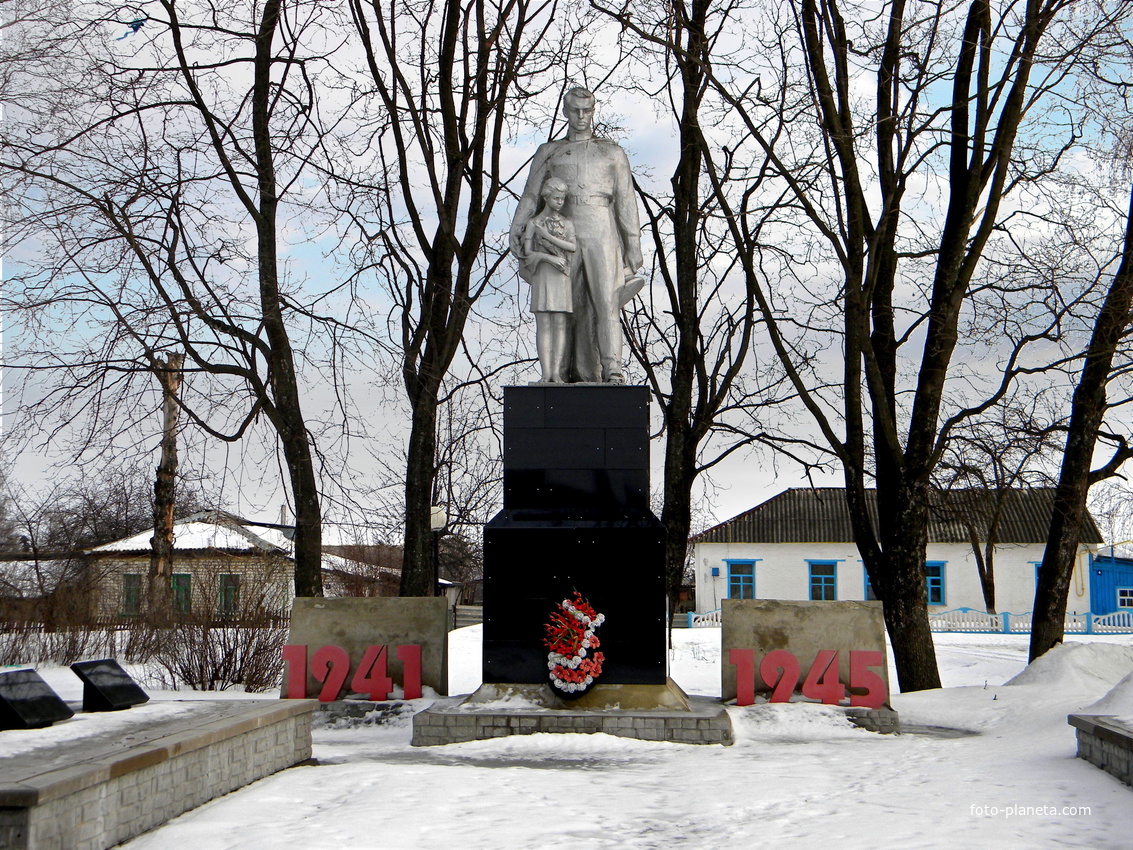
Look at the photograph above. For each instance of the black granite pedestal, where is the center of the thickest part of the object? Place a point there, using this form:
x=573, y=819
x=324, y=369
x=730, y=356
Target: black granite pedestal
x=576, y=518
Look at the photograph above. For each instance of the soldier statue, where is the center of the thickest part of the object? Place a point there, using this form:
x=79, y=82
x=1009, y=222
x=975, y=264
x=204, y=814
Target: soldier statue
x=602, y=207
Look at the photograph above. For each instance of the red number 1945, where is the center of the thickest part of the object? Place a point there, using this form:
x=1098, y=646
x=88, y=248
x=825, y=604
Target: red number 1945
x=780, y=671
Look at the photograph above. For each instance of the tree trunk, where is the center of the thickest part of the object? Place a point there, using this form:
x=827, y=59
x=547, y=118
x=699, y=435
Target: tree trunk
x=987, y=579
x=308, y=543
x=897, y=569
x=689, y=404
x=285, y=412
x=159, y=599
x=985, y=561
x=676, y=514
x=1075, y=477
x=417, y=566
x=906, y=600
x=987, y=585
x=906, y=620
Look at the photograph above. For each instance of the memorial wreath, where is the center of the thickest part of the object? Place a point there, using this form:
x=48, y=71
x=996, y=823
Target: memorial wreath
x=573, y=661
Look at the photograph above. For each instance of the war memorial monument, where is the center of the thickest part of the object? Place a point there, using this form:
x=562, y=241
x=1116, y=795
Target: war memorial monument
x=574, y=591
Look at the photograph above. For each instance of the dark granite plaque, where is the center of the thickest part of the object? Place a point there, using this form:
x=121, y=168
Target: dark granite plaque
x=28, y=702
x=107, y=687
x=531, y=566
x=576, y=518
x=579, y=493
x=573, y=406
x=577, y=451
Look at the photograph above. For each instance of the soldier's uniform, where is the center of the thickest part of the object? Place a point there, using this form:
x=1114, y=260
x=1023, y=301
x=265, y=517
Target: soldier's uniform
x=602, y=205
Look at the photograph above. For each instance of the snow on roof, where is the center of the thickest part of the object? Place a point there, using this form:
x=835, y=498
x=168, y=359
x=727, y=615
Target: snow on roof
x=276, y=537
x=213, y=530
x=347, y=565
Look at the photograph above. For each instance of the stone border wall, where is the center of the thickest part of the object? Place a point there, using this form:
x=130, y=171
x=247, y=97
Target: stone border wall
x=99, y=803
x=1106, y=742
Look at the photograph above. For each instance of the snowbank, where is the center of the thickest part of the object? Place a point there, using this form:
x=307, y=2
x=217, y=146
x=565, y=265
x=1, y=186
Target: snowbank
x=1118, y=701
x=1073, y=666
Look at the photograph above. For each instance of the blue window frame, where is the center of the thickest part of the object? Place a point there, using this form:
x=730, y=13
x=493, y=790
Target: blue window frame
x=934, y=581
x=741, y=579
x=823, y=580
x=868, y=593
x=1037, y=564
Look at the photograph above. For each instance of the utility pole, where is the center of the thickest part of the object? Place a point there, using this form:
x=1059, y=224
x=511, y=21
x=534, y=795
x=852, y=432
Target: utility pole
x=168, y=372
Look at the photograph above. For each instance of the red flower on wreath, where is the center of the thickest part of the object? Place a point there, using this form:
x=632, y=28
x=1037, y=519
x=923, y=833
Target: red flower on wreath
x=572, y=661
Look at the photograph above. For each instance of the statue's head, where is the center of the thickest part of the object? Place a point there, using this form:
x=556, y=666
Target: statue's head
x=553, y=193
x=578, y=108
x=553, y=186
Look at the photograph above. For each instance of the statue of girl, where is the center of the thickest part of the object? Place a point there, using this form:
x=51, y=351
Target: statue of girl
x=548, y=257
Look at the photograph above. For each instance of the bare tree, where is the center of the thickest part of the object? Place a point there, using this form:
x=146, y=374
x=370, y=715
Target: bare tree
x=985, y=463
x=1111, y=505
x=160, y=187
x=168, y=373
x=1087, y=415
x=695, y=338
x=846, y=119
x=96, y=508
x=448, y=78
x=9, y=540
x=469, y=452
x=468, y=479
x=52, y=527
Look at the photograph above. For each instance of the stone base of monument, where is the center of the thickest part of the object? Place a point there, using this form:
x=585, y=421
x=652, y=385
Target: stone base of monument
x=600, y=697
x=646, y=712
x=359, y=712
x=882, y=720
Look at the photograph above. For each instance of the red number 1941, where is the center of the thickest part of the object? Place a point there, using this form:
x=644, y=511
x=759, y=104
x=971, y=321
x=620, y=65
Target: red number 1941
x=331, y=665
x=780, y=671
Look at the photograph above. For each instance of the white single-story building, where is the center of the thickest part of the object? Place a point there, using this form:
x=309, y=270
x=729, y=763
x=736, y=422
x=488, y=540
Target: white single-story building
x=799, y=545
x=222, y=566
x=228, y=567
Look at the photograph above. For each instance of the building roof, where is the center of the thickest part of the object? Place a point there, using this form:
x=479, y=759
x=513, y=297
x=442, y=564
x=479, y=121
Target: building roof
x=820, y=515
x=349, y=566
x=209, y=530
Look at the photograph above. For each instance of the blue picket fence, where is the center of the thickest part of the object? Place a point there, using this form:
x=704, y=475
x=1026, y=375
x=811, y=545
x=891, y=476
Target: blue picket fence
x=708, y=618
x=971, y=620
x=976, y=621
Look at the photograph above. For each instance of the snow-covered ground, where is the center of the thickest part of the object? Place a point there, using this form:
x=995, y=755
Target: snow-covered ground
x=994, y=767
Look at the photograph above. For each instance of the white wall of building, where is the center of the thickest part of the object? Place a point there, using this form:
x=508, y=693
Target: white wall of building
x=782, y=572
